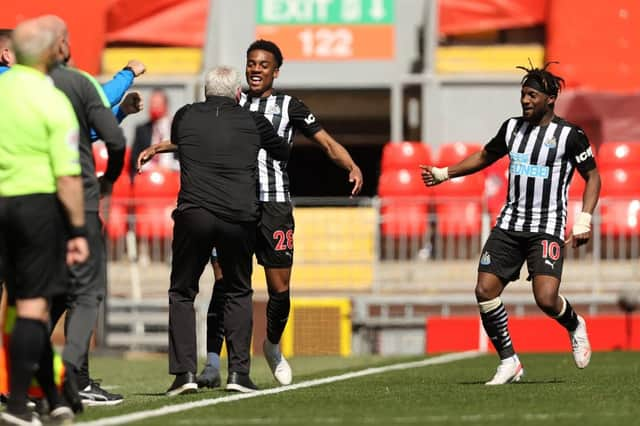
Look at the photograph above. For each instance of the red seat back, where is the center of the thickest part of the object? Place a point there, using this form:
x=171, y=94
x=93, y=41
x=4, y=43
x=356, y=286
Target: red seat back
x=404, y=219
x=402, y=183
x=156, y=184
x=453, y=152
x=459, y=218
x=623, y=183
x=405, y=155
x=619, y=155
x=620, y=217
x=100, y=157
x=465, y=186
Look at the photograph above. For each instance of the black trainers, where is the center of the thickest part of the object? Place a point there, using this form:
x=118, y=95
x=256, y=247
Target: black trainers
x=27, y=418
x=183, y=384
x=209, y=378
x=93, y=395
x=240, y=383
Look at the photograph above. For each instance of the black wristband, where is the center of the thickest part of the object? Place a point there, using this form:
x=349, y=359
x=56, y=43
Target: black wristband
x=128, y=68
x=77, y=231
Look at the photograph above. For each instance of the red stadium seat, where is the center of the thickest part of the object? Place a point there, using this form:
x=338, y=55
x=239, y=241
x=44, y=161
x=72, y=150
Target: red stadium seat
x=466, y=186
x=404, y=219
x=620, y=218
x=459, y=205
x=576, y=187
x=100, y=157
x=621, y=183
x=453, y=152
x=119, y=204
x=402, y=183
x=155, y=192
x=156, y=183
x=619, y=155
x=154, y=221
x=496, y=186
x=405, y=155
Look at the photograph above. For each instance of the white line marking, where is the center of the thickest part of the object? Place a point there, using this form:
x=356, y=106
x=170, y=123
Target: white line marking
x=170, y=409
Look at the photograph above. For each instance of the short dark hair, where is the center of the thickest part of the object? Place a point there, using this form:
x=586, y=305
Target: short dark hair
x=5, y=33
x=270, y=47
x=541, y=79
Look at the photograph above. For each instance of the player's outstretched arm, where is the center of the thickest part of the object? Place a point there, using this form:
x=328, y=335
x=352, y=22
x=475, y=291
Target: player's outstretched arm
x=581, y=231
x=146, y=155
x=340, y=156
x=432, y=175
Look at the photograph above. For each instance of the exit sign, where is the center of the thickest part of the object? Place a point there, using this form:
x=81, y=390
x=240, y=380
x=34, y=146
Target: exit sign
x=312, y=30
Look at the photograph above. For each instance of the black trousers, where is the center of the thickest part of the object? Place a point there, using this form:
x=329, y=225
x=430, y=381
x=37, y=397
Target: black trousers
x=196, y=231
x=82, y=303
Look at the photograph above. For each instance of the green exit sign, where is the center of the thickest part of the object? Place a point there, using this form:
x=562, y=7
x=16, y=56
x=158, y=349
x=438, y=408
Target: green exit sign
x=281, y=12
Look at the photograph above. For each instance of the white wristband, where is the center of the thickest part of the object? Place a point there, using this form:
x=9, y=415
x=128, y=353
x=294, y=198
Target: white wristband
x=582, y=224
x=440, y=174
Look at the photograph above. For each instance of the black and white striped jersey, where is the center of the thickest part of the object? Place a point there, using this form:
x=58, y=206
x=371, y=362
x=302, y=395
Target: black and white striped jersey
x=542, y=162
x=287, y=114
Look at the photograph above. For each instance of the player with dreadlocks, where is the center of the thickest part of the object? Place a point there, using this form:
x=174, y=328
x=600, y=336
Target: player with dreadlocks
x=544, y=150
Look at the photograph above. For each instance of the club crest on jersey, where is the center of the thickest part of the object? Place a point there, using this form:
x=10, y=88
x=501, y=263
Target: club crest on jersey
x=273, y=109
x=485, y=259
x=551, y=143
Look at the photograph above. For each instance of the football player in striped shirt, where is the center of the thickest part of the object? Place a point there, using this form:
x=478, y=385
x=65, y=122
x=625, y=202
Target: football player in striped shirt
x=544, y=151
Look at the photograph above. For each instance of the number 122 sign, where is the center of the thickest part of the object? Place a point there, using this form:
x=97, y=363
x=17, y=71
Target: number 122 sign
x=332, y=30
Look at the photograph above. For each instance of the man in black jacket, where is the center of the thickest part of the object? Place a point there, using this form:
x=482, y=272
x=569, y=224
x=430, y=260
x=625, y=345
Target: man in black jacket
x=89, y=278
x=217, y=143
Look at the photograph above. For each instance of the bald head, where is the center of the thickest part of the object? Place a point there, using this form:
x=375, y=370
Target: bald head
x=57, y=25
x=33, y=44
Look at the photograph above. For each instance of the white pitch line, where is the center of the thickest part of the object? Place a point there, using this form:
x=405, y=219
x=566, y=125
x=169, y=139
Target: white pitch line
x=170, y=409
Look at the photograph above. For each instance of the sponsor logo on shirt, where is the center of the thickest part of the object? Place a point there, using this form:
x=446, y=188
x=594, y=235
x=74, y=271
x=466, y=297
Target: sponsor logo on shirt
x=551, y=143
x=310, y=119
x=584, y=155
x=485, y=259
x=520, y=166
x=273, y=109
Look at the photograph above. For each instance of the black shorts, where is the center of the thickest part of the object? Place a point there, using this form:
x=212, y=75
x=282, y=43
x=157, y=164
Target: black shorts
x=33, y=246
x=274, y=248
x=505, y=252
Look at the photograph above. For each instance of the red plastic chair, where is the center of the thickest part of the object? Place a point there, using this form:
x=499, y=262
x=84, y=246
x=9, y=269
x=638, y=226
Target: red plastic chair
x=404, y=219
x=622, y=183
x=404, y=203
x=402, y=183
x=619, y=155
x=454, y=152
x=496, y=186
x=100, y=157
x=155, y=192
x=117, y=221
x=458, y=206
x=620, y=218
x=405, y=155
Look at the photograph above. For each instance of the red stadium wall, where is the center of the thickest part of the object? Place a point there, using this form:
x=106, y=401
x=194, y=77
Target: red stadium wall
x=596, y=43
x=86, y=21
x=532, y=334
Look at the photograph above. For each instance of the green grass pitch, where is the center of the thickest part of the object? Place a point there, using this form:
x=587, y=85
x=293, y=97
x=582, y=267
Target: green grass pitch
x=552, y=392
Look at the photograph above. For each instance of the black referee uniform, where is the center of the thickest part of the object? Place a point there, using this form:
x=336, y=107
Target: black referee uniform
x=218, y=143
